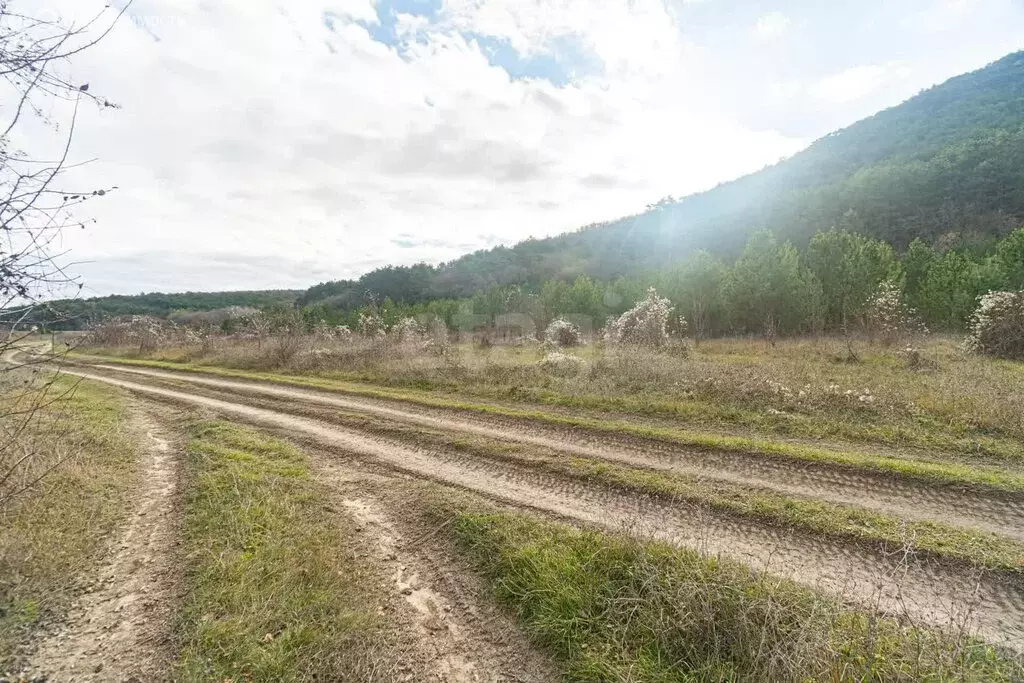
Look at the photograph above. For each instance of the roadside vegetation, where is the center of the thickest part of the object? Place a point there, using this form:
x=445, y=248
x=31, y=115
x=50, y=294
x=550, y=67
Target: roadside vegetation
x=614, y=608
x=968, y=548
x=55, y=531
x=272, y=592
x=924, y=447
x=930, y=396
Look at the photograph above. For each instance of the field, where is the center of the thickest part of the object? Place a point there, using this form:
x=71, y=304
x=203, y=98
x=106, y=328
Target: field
x=309, y=509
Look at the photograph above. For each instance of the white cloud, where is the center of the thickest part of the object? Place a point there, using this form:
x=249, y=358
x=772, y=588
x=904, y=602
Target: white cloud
x=263, y=145
x=859, y=81
x=630, y=37
x=771, y=26
x=260, y=132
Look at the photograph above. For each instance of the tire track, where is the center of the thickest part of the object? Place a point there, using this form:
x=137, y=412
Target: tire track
x=121, y=630
x=923, y=590
x=890, y=495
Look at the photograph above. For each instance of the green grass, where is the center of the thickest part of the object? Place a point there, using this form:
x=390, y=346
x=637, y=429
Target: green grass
x=967, y=547
x=998, y=479
x=272, y=592
x=53, y=536
x=614, y=609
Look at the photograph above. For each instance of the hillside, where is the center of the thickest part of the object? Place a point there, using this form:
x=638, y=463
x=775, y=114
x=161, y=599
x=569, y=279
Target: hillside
x=75, y=313
x=948, y=164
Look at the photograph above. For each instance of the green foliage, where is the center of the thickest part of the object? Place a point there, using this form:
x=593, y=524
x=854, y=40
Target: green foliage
x=771, y=288
x=1010, y=260
x=696, y=287
x=849, y=267
x=952, y=285
x=768, y=290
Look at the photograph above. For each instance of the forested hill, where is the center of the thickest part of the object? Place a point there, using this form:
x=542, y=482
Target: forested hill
x=945, y=166
x=74, y=313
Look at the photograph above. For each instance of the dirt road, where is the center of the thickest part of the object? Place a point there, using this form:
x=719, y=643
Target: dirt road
x=923, y=589
x=121, y=629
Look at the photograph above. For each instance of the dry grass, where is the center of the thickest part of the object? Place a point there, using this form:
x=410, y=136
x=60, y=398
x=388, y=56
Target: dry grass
x=941, y=400
x=935, y=467
x=54, y=533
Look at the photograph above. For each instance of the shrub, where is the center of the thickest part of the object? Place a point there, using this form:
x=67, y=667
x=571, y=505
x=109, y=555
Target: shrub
x=646, y=324
x=997, y=326
x=437, y=340
x=371, y=325
x=406, y=329
x=145, y=332
x=888, y=318
x=562, y=364
x=562, y=334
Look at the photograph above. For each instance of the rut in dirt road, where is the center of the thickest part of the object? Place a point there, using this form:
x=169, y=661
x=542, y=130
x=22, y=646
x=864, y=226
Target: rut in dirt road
x=926, y=591
x=889, y=495
x=120, y=630
x=462, y=636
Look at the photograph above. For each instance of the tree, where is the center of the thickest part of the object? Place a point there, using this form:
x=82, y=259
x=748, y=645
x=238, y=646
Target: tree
x=849, y=267
x=950, y=291
x=35, y=207
x=1010, y=257
x=997, y=326
x=769, y=291
x=915, y=263
x=695, y=286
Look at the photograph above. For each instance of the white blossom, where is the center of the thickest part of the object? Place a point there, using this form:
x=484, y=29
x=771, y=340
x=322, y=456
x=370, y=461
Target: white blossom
x=562, y=334
x=997, y=326
x=643, y=325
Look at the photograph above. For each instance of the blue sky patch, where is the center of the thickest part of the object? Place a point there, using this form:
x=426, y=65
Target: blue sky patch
x=387, y=14
x=565, y=60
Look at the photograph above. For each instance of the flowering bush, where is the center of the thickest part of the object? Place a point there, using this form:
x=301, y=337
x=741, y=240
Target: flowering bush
x=437, y=341
x=562, y=364
x=997, y=326
x=146, y=332
x=562, y=334
x=643, y=325
x=678, y=326
x=888, y=318
x=406, y=329
x=371, y=325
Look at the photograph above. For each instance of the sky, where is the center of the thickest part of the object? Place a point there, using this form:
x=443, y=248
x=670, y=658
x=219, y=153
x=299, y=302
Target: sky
x=268, y=144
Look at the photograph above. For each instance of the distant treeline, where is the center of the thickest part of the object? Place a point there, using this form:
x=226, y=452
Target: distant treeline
x=71, y=314
x=772, y=284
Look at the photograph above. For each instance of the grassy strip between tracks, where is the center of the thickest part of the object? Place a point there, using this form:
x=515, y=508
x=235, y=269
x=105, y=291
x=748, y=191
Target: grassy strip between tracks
x=966, y=547
x=614, y=609
x=272, y=593
x=942, y=473
x=53, y=535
